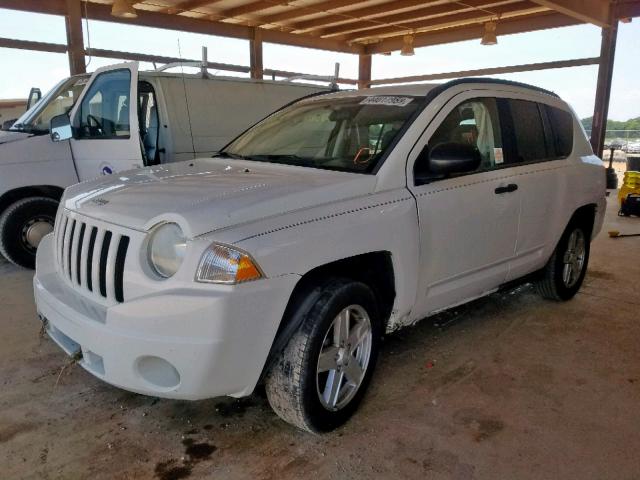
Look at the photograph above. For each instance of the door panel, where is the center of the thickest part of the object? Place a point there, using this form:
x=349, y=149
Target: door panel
x=543, y=179
x=468, y=235
x=541, y=185
x=106, y=135
x=468, y=223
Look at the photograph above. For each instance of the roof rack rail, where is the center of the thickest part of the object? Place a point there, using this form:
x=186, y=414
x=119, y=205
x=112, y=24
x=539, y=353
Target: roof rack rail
x=333, y=80
x=499, y=81
x=204, y=65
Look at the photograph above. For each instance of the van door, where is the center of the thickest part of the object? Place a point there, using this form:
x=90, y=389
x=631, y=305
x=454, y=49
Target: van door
x=105, y=123
x=468, y=222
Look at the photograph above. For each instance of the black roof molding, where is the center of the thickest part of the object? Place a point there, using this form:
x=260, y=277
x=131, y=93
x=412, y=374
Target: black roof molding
x=496, y=81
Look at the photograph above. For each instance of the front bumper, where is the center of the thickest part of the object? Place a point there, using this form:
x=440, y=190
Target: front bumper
x=187, y=343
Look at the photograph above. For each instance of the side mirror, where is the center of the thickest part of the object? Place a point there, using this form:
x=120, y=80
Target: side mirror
x=447, y=158
x=60, y=128
x=35, y=94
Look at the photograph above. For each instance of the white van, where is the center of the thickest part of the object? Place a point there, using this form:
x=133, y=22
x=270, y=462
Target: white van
x=177, y=117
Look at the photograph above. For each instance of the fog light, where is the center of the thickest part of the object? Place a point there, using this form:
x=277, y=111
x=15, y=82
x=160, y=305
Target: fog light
x=158, y=372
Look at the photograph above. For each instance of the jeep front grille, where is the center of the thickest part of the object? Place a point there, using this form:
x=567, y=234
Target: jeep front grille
x=91, y=257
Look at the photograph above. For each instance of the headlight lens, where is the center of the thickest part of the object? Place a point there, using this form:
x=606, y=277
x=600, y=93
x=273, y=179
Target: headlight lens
x=167, y=247
x=222, y=264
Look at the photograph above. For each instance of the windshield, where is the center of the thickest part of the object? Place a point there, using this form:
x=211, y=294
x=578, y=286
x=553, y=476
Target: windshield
x=59, y=100
x=347, y=134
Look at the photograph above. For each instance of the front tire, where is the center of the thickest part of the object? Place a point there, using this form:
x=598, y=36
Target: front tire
x=564, y=273
x=22, y=225
x=325, y=369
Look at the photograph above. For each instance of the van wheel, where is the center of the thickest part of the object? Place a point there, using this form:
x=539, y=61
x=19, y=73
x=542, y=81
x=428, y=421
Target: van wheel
x=565, y=271
x=324, y=370
x=22, y=226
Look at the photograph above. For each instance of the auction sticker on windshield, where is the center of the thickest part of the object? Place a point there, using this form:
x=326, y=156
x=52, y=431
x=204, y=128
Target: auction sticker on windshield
x=387, y=100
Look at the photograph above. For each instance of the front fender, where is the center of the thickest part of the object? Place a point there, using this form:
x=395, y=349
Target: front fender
x=302, y=241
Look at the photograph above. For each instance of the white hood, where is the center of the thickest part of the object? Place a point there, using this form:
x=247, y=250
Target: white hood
x=7, y=136
x=204, y=195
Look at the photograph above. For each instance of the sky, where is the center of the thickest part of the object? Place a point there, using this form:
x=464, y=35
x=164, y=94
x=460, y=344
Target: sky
x=23, y=69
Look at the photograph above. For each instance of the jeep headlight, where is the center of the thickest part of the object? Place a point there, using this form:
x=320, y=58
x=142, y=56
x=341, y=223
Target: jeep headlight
x=166, y=250
x=223, y=264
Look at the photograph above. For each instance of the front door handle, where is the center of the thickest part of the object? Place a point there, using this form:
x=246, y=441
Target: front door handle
x=512, y=187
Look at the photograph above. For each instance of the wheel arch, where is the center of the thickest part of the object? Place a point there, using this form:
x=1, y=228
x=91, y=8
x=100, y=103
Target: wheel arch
x=585, y=215
x=374, y=269
x=12, y=196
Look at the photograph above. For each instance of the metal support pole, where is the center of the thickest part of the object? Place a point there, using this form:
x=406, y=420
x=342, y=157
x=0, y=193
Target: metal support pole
x=205, y=63
x=255, y=52
x=364, y=70
x=603, y=89
x=75, y=41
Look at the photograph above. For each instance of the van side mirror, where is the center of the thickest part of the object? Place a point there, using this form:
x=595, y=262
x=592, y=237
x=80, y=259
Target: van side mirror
x=60, y=128
x=35, y=94
x=444, y=159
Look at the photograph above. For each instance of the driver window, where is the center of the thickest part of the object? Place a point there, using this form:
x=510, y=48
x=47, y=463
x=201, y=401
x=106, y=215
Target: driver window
x=474, y=122
x=104, y=111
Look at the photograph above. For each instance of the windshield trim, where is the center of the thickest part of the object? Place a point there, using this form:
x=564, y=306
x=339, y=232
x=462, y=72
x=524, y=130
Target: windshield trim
x=26, y=119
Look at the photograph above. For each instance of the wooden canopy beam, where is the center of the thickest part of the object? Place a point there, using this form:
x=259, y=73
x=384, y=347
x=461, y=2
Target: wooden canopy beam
x=75, y=40
x=441, y=13
x=364, y=70
x=146, y=18
x=143, y=57
x=527, y=23
x=626, y=9
x=359, y=13
x=255, y=54
x=247, y=8
x=481, y=72
x=449, y=21
x=314, y=9
x=188, y=5
x=587, y=11
x=35, y=46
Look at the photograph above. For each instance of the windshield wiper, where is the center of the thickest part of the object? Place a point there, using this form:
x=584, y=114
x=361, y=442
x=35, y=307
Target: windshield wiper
x=285, y=159
x=26, y=128
x=224, y=154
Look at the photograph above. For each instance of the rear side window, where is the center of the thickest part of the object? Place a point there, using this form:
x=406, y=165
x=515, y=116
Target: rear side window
x=561, y=131
x=528, y=130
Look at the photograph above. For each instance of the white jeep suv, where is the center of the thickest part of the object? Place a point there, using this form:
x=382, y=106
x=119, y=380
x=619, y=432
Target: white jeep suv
x=286, y=257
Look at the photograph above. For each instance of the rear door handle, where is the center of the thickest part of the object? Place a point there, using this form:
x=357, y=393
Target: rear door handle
x=512, y=187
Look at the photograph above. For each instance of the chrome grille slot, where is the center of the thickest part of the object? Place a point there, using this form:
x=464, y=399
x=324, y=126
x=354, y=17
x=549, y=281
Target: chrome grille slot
x=89, y=262
x=91, y=257
x=121, y=255
x=104, y=252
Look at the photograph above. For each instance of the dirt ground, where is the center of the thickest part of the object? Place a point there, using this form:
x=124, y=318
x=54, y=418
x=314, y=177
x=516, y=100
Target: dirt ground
x=509, y=387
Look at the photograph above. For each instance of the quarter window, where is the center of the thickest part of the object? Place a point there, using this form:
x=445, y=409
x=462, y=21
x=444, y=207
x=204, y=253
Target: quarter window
x=561, y=131
x=104, y=111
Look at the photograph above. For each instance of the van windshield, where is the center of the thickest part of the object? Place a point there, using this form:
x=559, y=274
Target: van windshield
x=346, y=134
x=59, y=100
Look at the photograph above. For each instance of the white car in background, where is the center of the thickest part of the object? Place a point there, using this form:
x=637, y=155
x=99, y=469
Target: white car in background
x=118, y=119
x=286, y=257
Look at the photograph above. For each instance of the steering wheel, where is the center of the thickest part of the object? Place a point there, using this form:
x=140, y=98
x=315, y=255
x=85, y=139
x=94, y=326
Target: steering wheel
x=97, y=124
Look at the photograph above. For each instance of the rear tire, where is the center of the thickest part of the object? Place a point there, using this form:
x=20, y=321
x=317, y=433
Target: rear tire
x=22, y=226
x=324, y=370
x=564, y=273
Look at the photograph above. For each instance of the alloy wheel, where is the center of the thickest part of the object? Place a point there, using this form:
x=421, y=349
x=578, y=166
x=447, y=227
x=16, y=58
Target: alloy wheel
x=344, y=357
